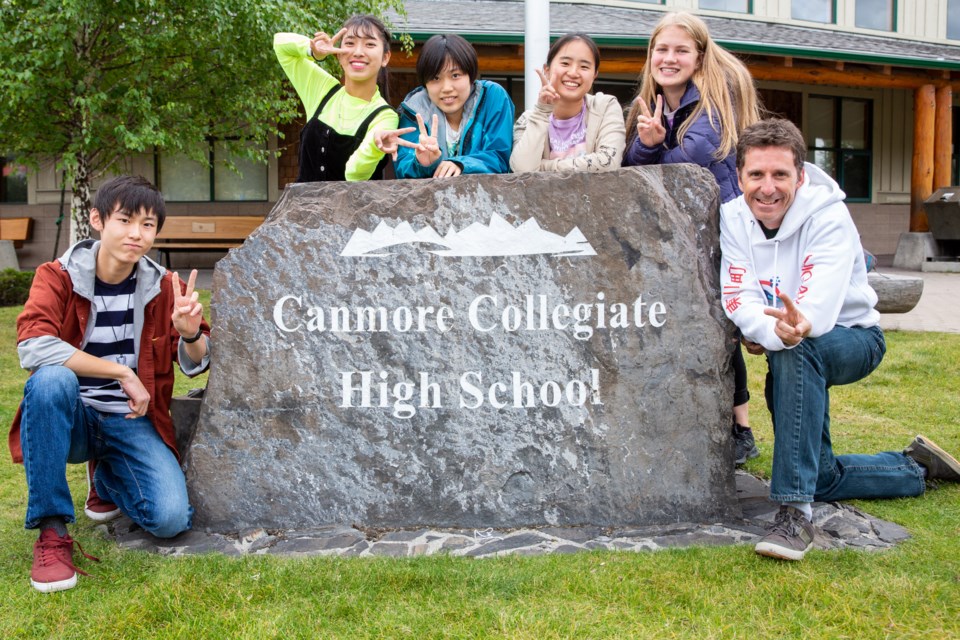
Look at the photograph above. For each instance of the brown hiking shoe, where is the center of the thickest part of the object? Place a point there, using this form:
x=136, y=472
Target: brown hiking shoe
x=53, y=568
x=96, y=507
x=790, y=537
x=940, y=465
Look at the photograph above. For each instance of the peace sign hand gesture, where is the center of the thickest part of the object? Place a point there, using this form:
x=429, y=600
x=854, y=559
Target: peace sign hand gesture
x=428, y=151
x=187, y=310
x=650, y=127
x=792, y=326
x=322, y=45
x=389, y=140
x=548, y=93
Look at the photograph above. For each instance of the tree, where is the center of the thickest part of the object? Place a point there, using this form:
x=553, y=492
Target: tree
x=93, y=82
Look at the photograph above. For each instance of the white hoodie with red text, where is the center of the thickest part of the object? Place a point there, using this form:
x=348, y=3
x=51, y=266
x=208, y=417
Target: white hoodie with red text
x=816, y=257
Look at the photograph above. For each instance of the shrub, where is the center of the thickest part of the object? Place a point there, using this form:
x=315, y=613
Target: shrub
x=14, y=287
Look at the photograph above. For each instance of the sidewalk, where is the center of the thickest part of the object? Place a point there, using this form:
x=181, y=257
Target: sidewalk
x=936, y=311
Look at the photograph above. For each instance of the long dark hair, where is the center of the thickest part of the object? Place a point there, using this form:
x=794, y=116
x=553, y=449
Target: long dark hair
x=367, y=26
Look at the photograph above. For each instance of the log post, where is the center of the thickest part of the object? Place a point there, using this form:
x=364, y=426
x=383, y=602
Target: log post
x=943, y=139
x=921, y=176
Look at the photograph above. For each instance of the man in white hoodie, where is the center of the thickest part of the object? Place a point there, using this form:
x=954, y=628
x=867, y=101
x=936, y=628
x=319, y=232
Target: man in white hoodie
x=794, y=281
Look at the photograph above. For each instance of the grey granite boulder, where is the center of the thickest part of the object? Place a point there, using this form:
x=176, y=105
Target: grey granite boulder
x=485, y=351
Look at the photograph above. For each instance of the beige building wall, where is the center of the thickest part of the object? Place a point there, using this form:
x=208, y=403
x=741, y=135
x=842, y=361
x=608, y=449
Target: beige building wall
x=923, y=20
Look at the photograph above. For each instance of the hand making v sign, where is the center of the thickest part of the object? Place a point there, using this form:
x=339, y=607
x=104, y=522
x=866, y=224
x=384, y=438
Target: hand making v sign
x=548, y=92
x=792, y=326
x=187, y=316
x=322, y=45
x=650, y=127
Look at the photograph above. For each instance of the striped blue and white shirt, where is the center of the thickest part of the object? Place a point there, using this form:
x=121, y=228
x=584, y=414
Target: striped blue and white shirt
x=111, y=339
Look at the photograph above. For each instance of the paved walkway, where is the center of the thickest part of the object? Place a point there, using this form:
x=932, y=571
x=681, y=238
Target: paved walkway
x=937, y=309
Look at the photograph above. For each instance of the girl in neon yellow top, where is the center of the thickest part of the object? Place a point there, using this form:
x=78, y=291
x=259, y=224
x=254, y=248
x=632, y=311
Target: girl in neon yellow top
x=337, y=141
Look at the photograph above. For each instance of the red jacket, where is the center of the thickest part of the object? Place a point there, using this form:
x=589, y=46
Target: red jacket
x=55, y=309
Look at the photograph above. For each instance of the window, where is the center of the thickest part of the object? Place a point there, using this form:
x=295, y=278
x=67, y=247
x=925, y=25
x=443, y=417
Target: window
x=183, y=179
x=13, y=180
x=876, y=14
x=953, y=19
x=838, y=141
x=813, y=10
x=734, y=6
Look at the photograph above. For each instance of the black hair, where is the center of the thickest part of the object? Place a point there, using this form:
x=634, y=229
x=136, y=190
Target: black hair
x=442, y=50
x=367, y=26
x=131, y=193
x=572, y=37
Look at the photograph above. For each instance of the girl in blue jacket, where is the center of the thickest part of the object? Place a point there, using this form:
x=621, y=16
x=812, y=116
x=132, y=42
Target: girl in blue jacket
x=453, y=123
x=694, y=100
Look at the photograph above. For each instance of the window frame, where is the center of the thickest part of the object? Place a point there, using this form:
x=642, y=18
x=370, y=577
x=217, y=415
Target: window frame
x=839, y=151
x=747, y=12
x=211, y=161
x=894, y=12
x=955, y=6
x=8, y=160
x=833, y=13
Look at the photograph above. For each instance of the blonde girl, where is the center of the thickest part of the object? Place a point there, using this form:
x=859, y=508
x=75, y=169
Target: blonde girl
x=694, y=100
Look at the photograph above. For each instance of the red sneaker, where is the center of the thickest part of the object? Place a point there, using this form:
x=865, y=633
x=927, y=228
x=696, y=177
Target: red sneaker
x=53, y=568
x=96, y=507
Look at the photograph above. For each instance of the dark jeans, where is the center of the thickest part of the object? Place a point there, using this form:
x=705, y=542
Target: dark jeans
x=804, y=466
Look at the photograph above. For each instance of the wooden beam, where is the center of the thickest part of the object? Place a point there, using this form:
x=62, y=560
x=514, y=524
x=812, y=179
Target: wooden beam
x=495, y=59
x=943, y=138
x=921, y=176
x=821, y=75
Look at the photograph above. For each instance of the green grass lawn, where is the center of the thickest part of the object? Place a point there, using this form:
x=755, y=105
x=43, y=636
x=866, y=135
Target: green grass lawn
x=912, y=591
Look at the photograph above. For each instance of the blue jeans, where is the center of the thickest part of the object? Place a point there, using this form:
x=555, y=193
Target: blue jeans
x=804, y=467
x=135, y=468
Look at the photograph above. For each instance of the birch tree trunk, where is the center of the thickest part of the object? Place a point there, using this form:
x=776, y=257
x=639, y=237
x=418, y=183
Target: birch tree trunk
x=80, y=201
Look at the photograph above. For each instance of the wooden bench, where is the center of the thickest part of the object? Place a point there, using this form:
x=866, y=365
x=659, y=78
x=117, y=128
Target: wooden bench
x=16, y=229
x=204, y=233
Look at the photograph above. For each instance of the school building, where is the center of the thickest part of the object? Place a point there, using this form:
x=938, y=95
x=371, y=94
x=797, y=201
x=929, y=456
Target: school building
x=873, y=84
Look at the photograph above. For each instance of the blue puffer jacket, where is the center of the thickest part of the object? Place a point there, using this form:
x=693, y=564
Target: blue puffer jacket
x=699, y=147
x=486, y=135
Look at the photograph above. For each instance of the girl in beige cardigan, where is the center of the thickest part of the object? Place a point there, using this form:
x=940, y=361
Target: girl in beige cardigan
x=569, y=129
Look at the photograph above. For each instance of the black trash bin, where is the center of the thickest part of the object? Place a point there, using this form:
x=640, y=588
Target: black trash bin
x=943, y=216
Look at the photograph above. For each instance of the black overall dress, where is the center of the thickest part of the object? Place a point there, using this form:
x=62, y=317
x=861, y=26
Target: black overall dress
x=324, y=152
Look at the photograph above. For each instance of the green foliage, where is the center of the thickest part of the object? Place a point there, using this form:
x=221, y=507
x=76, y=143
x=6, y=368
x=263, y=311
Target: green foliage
x=907, y=592
x=14, y=287
x=92, y=83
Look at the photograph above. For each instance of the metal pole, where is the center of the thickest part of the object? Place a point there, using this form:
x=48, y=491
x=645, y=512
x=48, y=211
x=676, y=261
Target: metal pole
x=536, y=43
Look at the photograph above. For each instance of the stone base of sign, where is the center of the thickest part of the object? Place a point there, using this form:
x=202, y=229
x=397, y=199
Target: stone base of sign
x=8, y=256
x=839, y=527
x=490, y=351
